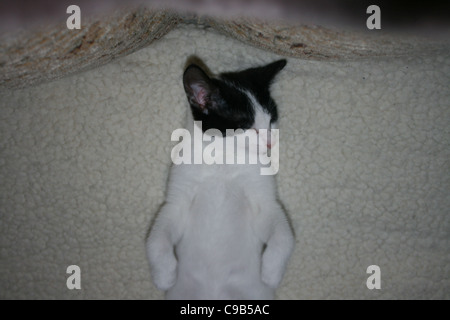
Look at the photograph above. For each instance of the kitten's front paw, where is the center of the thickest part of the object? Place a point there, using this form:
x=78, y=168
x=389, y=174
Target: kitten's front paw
x=271, y=273
x=165, y=274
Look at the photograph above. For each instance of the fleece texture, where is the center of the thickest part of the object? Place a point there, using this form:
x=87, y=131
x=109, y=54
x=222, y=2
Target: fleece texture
x=364, y=172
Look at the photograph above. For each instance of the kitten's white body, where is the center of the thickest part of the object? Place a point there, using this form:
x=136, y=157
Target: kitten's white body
x=221, y=234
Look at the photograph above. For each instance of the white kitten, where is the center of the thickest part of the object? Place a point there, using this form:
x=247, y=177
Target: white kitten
x=222, y=234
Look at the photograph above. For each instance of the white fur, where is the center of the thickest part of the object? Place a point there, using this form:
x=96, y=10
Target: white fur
x=221, y=234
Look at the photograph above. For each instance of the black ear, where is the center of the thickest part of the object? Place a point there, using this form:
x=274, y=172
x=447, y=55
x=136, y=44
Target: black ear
x=269, y=71
x=259, y=77
x=198, y=87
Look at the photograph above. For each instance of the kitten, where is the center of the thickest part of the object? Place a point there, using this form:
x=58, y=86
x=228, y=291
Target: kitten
x=222, y=234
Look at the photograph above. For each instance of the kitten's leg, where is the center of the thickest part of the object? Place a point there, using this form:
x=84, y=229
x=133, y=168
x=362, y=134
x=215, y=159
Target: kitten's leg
x=160, y=249
x=278, y=250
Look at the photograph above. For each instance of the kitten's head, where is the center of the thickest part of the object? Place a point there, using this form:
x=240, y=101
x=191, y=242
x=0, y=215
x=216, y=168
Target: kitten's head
x=234, y=100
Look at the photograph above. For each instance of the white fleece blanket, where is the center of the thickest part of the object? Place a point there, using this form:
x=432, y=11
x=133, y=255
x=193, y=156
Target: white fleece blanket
x=364, y=172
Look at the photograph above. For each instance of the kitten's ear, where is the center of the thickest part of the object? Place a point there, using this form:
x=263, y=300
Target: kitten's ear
x=269, y=71
x=198, y=87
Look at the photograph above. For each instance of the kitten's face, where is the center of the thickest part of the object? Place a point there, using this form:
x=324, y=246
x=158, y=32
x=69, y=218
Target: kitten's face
x=237, y=100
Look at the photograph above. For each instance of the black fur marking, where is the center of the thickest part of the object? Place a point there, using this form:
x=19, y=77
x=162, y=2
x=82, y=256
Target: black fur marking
x=222, y=103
